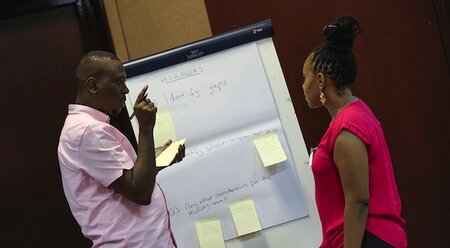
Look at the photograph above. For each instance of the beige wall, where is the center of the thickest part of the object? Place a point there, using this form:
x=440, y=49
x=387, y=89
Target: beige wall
x=143, y=27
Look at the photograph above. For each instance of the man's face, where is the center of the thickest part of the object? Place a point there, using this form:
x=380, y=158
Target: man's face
x=112, y=89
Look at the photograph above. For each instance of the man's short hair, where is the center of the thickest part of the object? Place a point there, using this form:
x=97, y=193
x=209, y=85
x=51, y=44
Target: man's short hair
x=94, y=64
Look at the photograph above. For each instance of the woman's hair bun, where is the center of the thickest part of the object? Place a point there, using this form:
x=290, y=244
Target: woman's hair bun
x=340, y=34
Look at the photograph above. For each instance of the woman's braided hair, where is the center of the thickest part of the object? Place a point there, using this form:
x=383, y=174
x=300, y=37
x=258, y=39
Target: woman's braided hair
x=335, y=57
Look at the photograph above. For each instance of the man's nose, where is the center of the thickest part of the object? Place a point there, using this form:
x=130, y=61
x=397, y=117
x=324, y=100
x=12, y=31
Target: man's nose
x=126, y=90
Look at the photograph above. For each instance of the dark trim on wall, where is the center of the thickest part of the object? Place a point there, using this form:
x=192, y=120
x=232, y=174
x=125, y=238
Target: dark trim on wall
x=13, y=8
x=442, y=11
x=94, y=25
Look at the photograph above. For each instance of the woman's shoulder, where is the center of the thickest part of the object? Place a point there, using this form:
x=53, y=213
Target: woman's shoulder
x=358, y=113
x=359, y=119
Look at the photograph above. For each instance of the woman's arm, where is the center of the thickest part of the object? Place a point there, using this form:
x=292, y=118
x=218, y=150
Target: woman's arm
x=350, y=156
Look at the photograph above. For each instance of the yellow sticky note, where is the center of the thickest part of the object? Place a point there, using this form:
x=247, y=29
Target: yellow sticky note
x=209, y=233
x=269, y=149
x=167, y=156
x=245, y=217
x=164, y=129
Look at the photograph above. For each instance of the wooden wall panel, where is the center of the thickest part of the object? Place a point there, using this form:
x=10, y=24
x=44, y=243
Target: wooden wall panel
x=403, y=75
x=37, y=66
x=148, y=27
x=41, y=42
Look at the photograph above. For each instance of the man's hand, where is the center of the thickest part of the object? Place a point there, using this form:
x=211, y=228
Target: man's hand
x=180, y=154
x=178, y=157
x=162, y=148
x=145, y=111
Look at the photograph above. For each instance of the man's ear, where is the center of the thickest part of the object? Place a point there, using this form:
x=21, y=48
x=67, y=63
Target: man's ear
x=91, y=85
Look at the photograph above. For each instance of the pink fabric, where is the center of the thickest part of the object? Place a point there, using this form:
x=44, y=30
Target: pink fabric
x=384, y=219
x=92, y=154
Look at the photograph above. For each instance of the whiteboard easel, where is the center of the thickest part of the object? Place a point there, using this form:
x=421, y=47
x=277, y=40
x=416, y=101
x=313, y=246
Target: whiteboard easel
x=304, y=232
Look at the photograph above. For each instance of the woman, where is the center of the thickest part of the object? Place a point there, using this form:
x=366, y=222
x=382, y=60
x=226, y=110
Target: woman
x=356, y=193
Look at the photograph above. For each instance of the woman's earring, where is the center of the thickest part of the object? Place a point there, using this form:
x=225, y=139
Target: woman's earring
x=321, y=95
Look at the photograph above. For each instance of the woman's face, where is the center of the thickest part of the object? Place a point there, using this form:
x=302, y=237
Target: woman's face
x=311, y=84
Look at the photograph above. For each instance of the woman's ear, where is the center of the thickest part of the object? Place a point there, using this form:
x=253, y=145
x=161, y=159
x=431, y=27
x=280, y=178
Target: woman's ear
x=91, y=85
x=321, y=79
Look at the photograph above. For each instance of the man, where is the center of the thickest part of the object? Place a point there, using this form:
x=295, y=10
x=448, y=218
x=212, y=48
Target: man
x=111, y=190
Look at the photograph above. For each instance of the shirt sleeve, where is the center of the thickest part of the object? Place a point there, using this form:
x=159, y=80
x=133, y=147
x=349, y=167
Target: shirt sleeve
x=356, y=130
x=102, y=155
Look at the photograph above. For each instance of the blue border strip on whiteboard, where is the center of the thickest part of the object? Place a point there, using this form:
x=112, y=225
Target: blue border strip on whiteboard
x=200, y=48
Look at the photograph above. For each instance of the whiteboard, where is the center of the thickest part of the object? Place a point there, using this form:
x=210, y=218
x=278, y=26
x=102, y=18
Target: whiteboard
x=219, y=103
